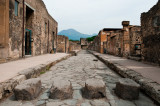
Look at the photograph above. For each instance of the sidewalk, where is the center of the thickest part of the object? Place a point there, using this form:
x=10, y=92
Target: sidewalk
x=146, y=70
x=11, y=69
x=148, y=76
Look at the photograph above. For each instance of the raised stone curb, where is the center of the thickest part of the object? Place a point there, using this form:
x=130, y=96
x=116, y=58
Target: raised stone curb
x=127, y=89
x=150, y=87
x=8, y=86
x=74, y=52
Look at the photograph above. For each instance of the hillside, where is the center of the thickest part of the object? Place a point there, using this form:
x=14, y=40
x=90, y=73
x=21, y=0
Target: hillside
x=73, y=34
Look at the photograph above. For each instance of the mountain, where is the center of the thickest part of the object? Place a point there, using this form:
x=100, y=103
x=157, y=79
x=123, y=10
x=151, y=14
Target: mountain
x=72, y=34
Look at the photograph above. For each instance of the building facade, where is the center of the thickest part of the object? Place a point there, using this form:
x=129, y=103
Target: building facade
x=62, y=44
x=124, y=41
x=150, y=23
x=26, y=29
x=135, y=41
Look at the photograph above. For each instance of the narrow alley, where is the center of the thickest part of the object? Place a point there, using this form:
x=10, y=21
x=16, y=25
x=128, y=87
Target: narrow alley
x=78, y=69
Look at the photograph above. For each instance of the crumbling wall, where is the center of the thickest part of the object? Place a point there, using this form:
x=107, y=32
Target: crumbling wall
x=74, y=46
x=114, y=42
x=95, y=45
x=62, y=44
x=135, y=41
x=150, y=22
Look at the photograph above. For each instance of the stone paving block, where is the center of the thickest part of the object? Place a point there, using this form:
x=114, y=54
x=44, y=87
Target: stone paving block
x=77, y=94
x=99, y=103
x=61, y=89
x=41, y=103
x=86, y=104
x=54, y=103
x=127, y=89
x=70, y=102
x=122, y=102
x=94, y=88
x=28, y=90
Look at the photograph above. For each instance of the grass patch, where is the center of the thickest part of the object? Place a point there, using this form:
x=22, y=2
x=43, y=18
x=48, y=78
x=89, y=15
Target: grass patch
x=42, y=72
x=47, y=68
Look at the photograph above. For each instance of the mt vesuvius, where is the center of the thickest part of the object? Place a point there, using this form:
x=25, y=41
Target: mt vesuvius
x=72, y=34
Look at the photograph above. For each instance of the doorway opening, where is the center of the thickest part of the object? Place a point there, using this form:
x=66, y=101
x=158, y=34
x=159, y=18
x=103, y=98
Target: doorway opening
x=28, y=34
x=28, y=30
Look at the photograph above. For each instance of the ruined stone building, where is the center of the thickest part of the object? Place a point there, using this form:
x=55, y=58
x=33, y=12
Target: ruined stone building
x=74, y=45
x=114, y=41
x=84, y=43
x=124, y=41
x=102, y=38
x=135, y=41
x=95, y=45
x=62, y=44
x=150, y=23
x=39, y=28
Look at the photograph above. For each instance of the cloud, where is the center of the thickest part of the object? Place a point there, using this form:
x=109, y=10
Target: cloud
x=90, y=16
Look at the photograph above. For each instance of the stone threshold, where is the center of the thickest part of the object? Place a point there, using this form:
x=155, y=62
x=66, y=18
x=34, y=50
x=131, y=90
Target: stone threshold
x=151, y=88
x=7, y=87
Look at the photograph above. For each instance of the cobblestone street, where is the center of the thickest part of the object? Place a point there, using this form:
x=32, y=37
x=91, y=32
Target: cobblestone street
x=77, y=69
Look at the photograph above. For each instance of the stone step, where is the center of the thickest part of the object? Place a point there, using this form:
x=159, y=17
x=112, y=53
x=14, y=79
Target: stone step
x=61, y=89
x=28, y=90
x=94, y=89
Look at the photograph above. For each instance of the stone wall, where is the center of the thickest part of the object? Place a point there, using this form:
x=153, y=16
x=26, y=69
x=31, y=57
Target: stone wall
x=150, y=22
x=126, y=38
x=4, y=28
x=74, y=45
x=95, y=45
x=84, y=43
x=98, y=42
x=124, y=41
x=114, y=42
x=135, y=41
x=42, y=26
x=62, y=44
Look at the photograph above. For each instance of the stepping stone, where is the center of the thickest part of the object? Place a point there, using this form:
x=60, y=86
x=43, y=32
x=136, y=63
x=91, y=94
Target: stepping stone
x=28, y=90
x=61, y=89
x=127, y=89
x=73, y=53
x=94, y=89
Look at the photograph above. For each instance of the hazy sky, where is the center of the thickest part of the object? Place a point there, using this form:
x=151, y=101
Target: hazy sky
x=90, y=16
